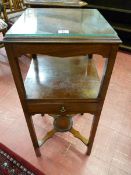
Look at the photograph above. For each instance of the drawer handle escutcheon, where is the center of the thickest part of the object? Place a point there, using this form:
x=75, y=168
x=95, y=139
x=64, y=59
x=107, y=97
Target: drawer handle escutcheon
x=62, y=109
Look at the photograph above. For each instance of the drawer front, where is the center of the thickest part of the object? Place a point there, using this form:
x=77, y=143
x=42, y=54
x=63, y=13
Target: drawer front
x=59, y=108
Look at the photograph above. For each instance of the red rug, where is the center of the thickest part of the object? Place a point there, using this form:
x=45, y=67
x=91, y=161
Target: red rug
x=13, y=164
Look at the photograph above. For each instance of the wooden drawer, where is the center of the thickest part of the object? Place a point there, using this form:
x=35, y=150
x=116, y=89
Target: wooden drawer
x=67, y=108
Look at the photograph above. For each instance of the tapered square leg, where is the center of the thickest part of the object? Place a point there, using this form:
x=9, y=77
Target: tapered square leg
x=93, y=132
x=33, y=135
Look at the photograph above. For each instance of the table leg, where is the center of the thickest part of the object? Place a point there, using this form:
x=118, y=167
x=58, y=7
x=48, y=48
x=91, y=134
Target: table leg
x=33, y=135
x=93, y=132
x=34, y=56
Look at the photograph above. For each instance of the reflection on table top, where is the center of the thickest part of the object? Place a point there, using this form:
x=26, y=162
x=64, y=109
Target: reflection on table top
x=58, y=23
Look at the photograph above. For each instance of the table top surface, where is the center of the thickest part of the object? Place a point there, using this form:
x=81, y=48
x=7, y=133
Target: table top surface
x=65, y=25
x=68, y=3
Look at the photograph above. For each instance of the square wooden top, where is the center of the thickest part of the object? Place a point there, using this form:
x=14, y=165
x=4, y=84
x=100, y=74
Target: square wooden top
x=61, y=25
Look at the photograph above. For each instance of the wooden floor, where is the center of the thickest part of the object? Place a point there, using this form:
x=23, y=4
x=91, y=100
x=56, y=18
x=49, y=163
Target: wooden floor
x=64, y=154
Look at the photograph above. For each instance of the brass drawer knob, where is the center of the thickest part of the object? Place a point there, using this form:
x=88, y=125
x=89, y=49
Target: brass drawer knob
x=62, y=109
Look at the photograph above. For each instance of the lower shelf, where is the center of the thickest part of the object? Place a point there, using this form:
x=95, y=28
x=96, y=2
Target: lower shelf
x=62, y=78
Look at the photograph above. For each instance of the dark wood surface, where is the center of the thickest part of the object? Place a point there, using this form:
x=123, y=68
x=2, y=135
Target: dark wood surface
x=80, y=93
x=62, y=26
x=55, y=3
x=112, y=141
x=60, y=78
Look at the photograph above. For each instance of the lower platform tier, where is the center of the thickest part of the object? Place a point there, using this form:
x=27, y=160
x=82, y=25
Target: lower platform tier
x=62, y=78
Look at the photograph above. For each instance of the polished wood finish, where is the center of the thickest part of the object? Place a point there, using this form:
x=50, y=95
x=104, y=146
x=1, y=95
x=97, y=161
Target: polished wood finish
x=63, y=124
x=55, y=3
x=111, y=149
x=48, y=83
x=65, y=85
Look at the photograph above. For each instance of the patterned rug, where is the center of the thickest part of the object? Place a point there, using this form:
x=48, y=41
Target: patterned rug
x=12, y=164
